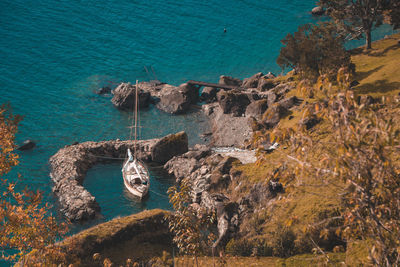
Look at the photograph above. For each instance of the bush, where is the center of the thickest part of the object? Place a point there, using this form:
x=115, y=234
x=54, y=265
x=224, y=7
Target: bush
x=239, y=247
x=314, y=50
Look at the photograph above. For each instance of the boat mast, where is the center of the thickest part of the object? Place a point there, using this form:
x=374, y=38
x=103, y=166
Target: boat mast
x=136, y=117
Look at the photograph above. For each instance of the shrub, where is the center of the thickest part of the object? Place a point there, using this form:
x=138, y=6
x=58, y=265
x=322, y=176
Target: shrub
x=314, y=50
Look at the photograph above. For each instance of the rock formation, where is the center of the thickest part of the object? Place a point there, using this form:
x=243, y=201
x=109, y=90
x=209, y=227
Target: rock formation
x=177, y=100
x=70, y=164
x=125, y=95
x=318, y=11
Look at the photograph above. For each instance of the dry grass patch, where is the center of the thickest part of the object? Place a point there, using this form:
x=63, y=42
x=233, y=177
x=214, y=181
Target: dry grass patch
x=378, y=69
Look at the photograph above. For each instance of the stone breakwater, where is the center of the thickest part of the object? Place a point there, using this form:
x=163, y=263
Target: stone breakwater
x=71, y=163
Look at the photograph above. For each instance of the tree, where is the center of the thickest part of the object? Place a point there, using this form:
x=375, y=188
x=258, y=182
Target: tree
x=314, y=50
x=25, y=223
x=362, y=152
x=191, y=224
x=393, y=15
x=358, y=16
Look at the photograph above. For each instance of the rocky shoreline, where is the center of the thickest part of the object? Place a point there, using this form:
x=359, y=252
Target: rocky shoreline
x=235, y=111
x=231, y=109
x=70, y=164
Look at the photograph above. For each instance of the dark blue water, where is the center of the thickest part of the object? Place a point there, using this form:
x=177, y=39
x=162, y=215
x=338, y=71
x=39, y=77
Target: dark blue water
x=54, y=54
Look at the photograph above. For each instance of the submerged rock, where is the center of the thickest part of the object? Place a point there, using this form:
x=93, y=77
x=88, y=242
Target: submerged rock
x=27, y=145
x=104, y=90
x=318, y=11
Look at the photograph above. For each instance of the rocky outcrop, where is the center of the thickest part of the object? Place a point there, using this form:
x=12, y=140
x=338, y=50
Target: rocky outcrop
x=27, y=145
x=209, y=94
x=259, y=193
x=309, y=122
x=184, y=165
x=252, y=82
x=290, y=102
x=227, y=80
x=274, y=115
x=177, y=100
x=125, y=95
x=257, y=108
x=210, y=174
x=169, y=146
x=233, y=102
x=227, y=130
x=265, y=84
x=70, y=164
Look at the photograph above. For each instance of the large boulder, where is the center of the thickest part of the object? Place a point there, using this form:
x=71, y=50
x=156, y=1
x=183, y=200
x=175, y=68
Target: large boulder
x=227, y=80
x=233, y=102
x=177, y=100
x=290, y=102
x=125, y=95
x=169, y=146
x=265, y=84
x=274, y=115
x=184, y=165
x=309, y=122
x=252, y=82
x=257, y=108
x=209, y=94
x=282, y=89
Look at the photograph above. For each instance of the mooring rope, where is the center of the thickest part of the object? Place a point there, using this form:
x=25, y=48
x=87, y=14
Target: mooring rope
x=158, y=194
x=103, y=157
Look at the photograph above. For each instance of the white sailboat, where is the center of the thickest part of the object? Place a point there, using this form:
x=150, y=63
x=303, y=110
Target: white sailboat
x=134, y=172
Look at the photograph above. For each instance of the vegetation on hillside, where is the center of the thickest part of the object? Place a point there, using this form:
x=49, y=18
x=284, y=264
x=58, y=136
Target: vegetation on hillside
x=314, y=50
x=360, y=17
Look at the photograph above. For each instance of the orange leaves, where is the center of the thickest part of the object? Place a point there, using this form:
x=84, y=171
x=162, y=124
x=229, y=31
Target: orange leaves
x=25, y=224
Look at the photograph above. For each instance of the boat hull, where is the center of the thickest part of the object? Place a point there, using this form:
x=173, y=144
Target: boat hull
x=138, y=190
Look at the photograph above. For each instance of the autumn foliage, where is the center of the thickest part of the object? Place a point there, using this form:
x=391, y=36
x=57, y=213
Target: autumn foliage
x=360, y=160
x=192, y=225
x=26, y=224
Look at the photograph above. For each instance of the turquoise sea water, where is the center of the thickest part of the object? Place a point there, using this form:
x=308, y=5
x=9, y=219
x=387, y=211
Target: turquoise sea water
x=54, y=54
